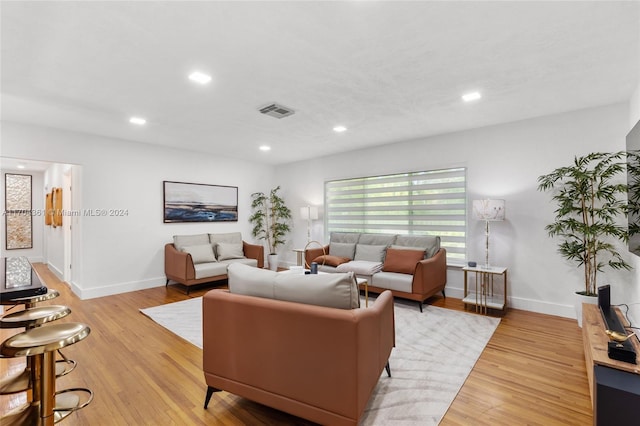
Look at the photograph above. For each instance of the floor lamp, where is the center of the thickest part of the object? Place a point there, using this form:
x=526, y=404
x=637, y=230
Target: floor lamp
x=309, y=213
x=489, y=211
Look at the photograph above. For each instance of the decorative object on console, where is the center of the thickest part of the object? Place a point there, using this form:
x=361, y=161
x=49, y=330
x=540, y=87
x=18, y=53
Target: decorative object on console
x=198, y=202
x=489, y=211
x=270, y=219
x=309, y=213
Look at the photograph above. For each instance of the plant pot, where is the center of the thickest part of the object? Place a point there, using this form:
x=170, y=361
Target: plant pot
x=273, y=262
x=579, y=300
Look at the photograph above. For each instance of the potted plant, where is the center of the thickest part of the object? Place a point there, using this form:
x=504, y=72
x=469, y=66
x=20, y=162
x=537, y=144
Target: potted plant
x=270, y=220
x=633, y=197
x=590, y=203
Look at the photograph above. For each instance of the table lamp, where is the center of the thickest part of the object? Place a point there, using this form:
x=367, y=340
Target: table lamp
x=489, y=211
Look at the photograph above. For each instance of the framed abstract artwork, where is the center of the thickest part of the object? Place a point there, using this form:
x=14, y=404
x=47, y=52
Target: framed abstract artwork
x=18, y=219
x=198, y=202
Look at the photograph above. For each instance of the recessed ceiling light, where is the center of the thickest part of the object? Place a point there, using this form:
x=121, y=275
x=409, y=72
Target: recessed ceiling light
x=471, y=96
x=265, y=148
x=339, y=129
x=137, y=120
x=21, y=166
x=199, y=77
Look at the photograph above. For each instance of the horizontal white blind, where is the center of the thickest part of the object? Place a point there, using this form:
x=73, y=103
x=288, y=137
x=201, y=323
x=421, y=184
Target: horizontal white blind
x=418, y=203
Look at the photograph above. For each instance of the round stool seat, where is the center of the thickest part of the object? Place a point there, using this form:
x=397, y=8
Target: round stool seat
x=44, y=339
x=50, y=294
x=34, y=317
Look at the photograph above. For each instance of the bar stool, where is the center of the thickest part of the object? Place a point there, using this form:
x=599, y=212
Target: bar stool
x=30, y=301
x=31, y=318
x=41, y=343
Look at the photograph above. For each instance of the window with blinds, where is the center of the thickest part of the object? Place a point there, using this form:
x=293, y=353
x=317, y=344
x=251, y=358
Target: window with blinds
x=419, y=203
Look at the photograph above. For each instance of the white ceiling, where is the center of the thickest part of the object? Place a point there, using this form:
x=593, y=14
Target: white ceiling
x=389, y=71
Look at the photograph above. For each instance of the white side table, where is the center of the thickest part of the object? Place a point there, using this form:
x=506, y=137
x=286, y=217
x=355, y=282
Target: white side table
x=483, y=297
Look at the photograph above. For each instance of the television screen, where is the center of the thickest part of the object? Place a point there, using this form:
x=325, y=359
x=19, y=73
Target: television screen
x=633, y=188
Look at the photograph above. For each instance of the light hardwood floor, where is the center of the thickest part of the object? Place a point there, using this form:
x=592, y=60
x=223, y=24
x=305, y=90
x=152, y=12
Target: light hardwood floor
x=531, y=372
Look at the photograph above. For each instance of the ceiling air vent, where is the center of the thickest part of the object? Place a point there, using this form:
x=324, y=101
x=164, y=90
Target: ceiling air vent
x=277, y=111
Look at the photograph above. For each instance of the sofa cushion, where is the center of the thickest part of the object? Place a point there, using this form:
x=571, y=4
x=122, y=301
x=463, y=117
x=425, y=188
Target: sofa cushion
x=371, y=253
x=430, y=243
x=228, y=251
x=402, y=261
x=344, y=237
x=202, y=253
x=229, y=237
x=249, y=281
x=181, y=241
x=393, y=281
x=244, y=261
x=360, y=267
x=342, y=249
x=377, y=239
x=330, y=290
x=330, y=260
x=210, y=269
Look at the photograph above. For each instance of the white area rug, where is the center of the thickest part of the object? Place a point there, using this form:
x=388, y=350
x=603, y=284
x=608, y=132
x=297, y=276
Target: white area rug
x=435, y=352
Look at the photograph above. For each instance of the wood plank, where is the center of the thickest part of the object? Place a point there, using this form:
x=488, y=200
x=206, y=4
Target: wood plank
x=531, y=372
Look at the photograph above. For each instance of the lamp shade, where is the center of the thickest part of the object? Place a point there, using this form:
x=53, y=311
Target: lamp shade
x=309, y=212
x=489, y=210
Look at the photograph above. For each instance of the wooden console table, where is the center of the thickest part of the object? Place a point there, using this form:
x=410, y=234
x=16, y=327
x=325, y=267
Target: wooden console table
x=597, y=360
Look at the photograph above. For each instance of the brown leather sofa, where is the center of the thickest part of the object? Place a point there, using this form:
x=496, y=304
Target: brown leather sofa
x=423, y=280
x=180, y=267
x=315, y=362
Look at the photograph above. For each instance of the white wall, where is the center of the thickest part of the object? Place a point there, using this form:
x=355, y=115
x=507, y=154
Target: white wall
x=502, y=161
x=631, y=294
x=115, y=254
x=36, y=253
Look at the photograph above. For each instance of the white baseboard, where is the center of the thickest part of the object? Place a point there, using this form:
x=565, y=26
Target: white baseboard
x=110, y=290
x=566, y=311
x=57, y=272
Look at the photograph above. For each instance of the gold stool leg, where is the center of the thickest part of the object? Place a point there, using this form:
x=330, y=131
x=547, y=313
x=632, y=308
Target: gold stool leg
x=48, y=389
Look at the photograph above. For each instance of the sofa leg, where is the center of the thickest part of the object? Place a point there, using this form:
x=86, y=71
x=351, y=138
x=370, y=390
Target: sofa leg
x=386, y=367
x=210, y=391
x=167, y=283
x=444, y=295
x=420, y=304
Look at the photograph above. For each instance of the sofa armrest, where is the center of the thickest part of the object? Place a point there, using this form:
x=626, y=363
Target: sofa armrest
x=254, y=251
x=178, y=264
x=430, y=275
x=312, y=253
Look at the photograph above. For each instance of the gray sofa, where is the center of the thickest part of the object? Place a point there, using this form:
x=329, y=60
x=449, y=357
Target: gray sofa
x=413, y=267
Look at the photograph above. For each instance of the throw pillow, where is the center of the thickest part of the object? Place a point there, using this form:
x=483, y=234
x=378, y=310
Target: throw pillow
x=370, y=253
x=202, y=253
x=342, y=249
x=421, y=249
x=330, y=260
x=182, y=241
x=402, y=261
x=228, y=251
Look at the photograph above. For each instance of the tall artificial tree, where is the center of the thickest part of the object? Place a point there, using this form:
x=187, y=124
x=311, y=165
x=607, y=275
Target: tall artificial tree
x=591, y=203
x=270, y=218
